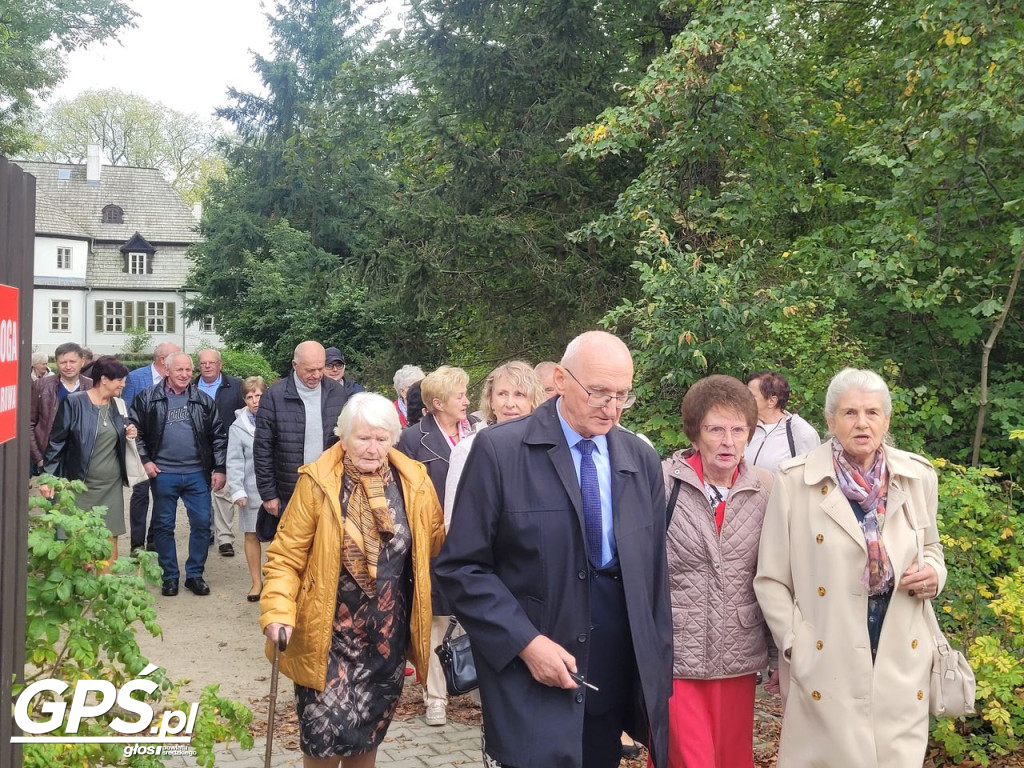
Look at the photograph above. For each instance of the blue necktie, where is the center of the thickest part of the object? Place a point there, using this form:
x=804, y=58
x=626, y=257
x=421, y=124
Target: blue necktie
x=591, y=493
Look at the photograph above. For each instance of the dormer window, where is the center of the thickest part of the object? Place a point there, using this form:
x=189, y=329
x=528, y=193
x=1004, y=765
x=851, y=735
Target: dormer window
x=63, y=174
x=137, y=263
x=138, y=256
x=112, y=214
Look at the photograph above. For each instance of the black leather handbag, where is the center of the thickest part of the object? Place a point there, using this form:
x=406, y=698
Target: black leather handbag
x=456, y=657
x=266, y=524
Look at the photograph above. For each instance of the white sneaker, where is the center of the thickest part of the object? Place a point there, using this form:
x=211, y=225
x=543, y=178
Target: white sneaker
x=436, y=713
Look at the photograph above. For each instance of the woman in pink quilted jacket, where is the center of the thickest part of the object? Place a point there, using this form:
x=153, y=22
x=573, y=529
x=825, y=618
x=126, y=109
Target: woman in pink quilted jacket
x=720, y=638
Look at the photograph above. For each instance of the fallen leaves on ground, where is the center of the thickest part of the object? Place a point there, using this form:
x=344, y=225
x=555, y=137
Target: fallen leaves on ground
x=462, y=709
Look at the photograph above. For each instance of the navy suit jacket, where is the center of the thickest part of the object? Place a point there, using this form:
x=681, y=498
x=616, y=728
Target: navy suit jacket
x=138, y=380
x=514, y=566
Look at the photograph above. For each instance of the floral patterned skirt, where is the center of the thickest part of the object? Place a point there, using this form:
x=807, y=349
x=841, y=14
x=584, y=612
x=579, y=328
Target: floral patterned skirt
x=366, y=662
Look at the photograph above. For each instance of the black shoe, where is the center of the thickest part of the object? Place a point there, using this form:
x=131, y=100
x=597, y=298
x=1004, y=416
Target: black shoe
x=135, y=552
x=170, y=588
x=198, y=586
x=150, y=546
x=630, y=751
x=226, y=550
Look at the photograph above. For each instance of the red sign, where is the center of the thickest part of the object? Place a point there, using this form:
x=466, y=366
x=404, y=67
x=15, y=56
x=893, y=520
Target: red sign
x=9, y=341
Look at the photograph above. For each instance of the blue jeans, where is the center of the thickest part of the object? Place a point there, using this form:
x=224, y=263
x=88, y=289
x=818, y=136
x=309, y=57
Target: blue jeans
x=192, y=488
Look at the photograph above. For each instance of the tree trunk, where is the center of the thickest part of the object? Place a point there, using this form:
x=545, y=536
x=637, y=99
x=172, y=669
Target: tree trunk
x=987, y=350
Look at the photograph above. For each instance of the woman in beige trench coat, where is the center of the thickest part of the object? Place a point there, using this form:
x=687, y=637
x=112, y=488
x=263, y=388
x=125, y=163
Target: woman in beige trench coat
x=855, y=690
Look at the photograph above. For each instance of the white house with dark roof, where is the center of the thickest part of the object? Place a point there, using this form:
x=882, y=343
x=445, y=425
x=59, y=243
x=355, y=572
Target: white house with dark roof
x=111, y=256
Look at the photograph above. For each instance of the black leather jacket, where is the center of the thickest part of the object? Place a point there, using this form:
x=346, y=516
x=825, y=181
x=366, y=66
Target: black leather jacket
x=73, y=437
x=149, y=414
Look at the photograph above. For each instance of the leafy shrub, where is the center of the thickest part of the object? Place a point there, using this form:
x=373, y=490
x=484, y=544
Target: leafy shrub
x=81, y=625
x=137, y=341
x=981, y=608
x=246, y=362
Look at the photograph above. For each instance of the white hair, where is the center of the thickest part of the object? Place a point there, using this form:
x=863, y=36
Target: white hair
x=371, y=410
x=406, y=376
x=40, y=358
x=859, y=380
x=169, y=360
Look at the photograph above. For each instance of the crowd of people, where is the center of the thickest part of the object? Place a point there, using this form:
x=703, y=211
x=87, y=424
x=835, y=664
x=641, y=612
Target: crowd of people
x=608, y=594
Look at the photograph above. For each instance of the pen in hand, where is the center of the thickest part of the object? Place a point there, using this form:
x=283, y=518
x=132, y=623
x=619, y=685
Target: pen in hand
x=579, y=679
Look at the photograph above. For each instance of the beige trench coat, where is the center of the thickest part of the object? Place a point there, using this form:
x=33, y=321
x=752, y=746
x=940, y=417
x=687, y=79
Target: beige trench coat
x=839, y=710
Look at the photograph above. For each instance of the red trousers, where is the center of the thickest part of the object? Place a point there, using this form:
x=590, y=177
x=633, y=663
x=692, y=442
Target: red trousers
x=711, y=723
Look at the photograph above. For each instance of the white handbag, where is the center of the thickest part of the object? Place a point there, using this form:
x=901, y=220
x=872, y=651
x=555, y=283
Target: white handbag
x=953, y=686
x=132, y=461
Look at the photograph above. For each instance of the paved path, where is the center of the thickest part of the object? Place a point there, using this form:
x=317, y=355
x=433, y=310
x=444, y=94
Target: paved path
x=216, y=639
x=409, y=744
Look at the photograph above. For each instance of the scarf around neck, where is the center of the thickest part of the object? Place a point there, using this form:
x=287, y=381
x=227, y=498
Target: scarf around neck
x=869, y=489
x=367, y=525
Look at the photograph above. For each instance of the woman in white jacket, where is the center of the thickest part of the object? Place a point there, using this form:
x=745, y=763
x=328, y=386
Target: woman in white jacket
x=843, y=590
x=242, y=478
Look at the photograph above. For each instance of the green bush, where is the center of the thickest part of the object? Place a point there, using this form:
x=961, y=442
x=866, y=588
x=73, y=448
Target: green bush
x=981, y=609
x=81, y=624
x=246, y=362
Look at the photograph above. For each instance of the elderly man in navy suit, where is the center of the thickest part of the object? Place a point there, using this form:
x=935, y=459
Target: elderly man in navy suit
x=137, y=381
x=555, y=564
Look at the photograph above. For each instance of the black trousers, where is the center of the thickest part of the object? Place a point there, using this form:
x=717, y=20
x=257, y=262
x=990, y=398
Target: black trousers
x=138, y=511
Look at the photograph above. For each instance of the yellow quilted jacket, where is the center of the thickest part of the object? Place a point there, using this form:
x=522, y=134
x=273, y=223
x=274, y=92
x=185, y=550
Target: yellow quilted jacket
x=304, y=562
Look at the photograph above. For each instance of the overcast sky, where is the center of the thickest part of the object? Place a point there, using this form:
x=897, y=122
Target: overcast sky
x=184, y=53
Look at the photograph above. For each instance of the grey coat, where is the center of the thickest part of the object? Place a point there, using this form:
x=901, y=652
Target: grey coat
x=241, y=469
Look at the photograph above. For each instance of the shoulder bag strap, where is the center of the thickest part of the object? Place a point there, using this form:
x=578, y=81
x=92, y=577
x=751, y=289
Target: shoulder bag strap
x=676, y=484
x=789, y=436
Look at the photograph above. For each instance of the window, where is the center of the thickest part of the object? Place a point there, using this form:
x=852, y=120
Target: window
x=156, y=313
x=206, y=324
x=137, y=263
x=60, y=315
x=113, y=214
x=113, y=316
x=63, y=174
x=63, y=258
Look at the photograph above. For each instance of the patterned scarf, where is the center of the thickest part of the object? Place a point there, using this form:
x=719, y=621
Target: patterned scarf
x=368, y=524
x=870, y=491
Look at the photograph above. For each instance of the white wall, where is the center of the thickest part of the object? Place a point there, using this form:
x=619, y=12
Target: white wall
x=46, y=257
x=45, y=340
x=83, y=321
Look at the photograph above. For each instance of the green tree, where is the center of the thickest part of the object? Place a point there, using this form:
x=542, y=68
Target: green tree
x=861, y=158
x=131, y=130
x=477, y=236
x=34, y=37
x=295, y=215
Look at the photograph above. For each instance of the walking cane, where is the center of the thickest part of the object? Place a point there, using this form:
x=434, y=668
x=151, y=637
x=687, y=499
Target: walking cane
x=282, y=643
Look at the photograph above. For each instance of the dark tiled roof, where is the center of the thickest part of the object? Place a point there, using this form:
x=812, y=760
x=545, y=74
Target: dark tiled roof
x=150, y=204
x=51, y=219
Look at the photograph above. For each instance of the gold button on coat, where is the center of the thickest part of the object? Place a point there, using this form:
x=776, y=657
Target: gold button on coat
x=920, y=695
x=913, y=643
x=824, y=490
x=821, y=591
x=819, y=538
x=817, y=696
x=819, y=645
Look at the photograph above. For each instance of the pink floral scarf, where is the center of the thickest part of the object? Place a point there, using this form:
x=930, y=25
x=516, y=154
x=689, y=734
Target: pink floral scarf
x=869, y=489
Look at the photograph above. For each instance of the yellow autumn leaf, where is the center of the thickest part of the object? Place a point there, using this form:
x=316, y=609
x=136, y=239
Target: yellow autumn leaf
x=964, y=39
x=991, y=67
x=1006, y=533
x=947, y=37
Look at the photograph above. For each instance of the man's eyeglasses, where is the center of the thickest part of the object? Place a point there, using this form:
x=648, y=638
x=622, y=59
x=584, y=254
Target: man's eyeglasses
x=600, y=399
x=718, y=433
x=335, y=365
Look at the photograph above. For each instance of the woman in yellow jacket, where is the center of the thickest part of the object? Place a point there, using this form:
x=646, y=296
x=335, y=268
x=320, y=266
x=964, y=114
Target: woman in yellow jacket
x=347, y=578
